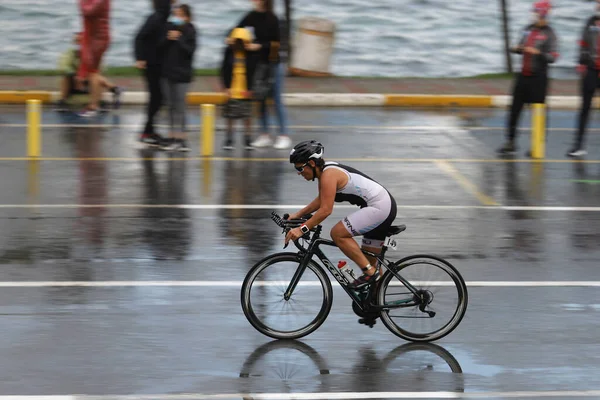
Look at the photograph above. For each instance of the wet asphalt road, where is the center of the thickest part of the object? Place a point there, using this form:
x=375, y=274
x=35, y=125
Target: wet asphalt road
x=495, y=220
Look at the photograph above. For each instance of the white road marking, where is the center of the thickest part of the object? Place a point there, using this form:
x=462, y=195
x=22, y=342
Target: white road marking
x=326, y=395
x=238, y=284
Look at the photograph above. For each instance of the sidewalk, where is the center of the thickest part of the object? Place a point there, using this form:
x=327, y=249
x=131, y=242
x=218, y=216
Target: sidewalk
x=434, y=86
x=491, y=92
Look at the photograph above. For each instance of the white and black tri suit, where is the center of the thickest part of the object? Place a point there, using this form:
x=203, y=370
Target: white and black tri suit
x=377, y=206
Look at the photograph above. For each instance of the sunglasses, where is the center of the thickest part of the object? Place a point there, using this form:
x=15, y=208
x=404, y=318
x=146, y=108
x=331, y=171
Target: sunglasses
x=300, y=169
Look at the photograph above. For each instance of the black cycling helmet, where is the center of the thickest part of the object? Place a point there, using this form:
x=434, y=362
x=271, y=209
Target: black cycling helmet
x=307, y=150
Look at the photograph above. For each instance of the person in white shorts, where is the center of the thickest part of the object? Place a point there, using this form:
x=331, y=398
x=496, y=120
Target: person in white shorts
x=339, y=183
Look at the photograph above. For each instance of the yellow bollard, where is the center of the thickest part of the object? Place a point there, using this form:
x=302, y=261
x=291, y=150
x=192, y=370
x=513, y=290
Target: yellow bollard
x=34, y=137
x=207, y=146
x=538, y=131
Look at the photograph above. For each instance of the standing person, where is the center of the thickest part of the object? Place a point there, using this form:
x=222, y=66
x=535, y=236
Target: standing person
x=237, y=70
x=267, y=31
x=264, y=25
x=95, y=42
x=149, y=58
x=589, y=68
x=538, y=46
x=179, y=48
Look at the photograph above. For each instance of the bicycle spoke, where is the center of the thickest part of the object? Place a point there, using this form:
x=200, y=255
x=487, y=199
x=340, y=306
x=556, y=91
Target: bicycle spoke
x=272, y=312
x=440, y=303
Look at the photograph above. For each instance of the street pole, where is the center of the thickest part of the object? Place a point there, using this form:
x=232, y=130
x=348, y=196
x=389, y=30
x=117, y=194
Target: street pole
x=506, y=37
x=288, y=27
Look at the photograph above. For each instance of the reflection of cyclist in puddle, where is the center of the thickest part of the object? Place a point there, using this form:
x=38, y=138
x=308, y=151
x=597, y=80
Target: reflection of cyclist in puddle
x=339, y=183
x=298, y=367
x=412, y=366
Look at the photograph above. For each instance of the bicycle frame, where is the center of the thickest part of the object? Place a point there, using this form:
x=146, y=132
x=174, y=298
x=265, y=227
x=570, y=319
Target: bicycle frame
x=313, y=249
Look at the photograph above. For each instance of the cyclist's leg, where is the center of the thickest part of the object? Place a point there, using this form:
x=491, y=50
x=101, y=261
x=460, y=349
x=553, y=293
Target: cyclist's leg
x=372, y=246
x=356, y=224
x=373, y=241
x=343, y=238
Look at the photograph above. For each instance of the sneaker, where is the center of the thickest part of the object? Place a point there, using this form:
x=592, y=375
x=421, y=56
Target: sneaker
x=262, y=141
x=61, y=106
x=151, y=139
x=364, y=280
x=509, y=148
x=282, y=142
x=183, y=146
x=176, y=145
x=228, y=144
x=167, y=143
x=576, y=152
x=249, y=144
x=88, y=113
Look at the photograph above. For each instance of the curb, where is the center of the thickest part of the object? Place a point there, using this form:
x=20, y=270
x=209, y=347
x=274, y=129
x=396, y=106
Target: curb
x=324, y=99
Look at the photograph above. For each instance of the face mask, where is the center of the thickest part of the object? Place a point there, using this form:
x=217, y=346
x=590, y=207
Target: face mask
x=534, y=17
x=176, y=20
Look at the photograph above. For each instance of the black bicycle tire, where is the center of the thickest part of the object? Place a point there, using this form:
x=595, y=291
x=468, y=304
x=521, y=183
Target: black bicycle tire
x=266, y=348
x=446, y=329
x=298, y=333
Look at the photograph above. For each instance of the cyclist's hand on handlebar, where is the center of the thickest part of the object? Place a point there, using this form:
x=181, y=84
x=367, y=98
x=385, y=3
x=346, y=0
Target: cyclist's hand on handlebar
x=292, y=216
x=293, y=234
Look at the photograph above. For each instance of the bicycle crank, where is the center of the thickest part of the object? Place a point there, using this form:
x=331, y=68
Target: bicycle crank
x=425, y=297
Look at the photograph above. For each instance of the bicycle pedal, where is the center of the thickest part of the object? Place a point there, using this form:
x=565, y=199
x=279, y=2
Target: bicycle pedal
x=368, y=322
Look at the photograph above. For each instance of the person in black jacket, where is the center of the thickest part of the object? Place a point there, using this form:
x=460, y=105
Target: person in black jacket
x=539, y=48
x=267, y=42
x=589, y=68
x=179, y=46
x=149, y=58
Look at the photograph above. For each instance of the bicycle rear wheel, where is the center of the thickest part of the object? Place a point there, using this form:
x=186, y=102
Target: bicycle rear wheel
x=267, y=310
x=438, y=307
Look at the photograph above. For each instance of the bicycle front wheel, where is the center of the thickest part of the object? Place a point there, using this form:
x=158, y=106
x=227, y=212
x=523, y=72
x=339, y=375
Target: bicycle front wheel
x=436, y=309
x=270, y=313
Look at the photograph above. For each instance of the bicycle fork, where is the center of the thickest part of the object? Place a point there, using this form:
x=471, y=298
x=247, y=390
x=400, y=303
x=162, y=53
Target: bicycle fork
x=297, y=276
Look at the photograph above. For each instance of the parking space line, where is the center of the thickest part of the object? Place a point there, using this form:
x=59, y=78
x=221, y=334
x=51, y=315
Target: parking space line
x=466, y=183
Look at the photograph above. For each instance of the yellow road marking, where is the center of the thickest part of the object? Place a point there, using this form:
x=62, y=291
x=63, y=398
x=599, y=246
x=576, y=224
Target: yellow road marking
x=466, y=183
x=285, y=159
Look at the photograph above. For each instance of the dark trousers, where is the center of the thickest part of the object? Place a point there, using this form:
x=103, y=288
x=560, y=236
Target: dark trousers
x=152, y=75
x=589, y=84
x=527, y=90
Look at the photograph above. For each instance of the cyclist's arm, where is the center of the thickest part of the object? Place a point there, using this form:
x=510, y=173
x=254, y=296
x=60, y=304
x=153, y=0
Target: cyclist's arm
x=310, y=208
x=327, y=190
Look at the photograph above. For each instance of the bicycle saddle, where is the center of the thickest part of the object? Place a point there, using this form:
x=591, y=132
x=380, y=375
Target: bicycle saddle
x=396, y=229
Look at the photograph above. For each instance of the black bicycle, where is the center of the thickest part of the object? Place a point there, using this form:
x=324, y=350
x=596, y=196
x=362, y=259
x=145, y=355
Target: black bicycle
x=288, y=295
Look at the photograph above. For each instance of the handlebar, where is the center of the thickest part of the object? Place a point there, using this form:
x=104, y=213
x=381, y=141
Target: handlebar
x=287, y=224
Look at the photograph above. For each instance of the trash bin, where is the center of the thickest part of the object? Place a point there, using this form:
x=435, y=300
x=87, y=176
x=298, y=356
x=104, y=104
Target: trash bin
x=313, y=47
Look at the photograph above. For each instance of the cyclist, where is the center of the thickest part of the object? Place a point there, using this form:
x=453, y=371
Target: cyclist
x=339, y=183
